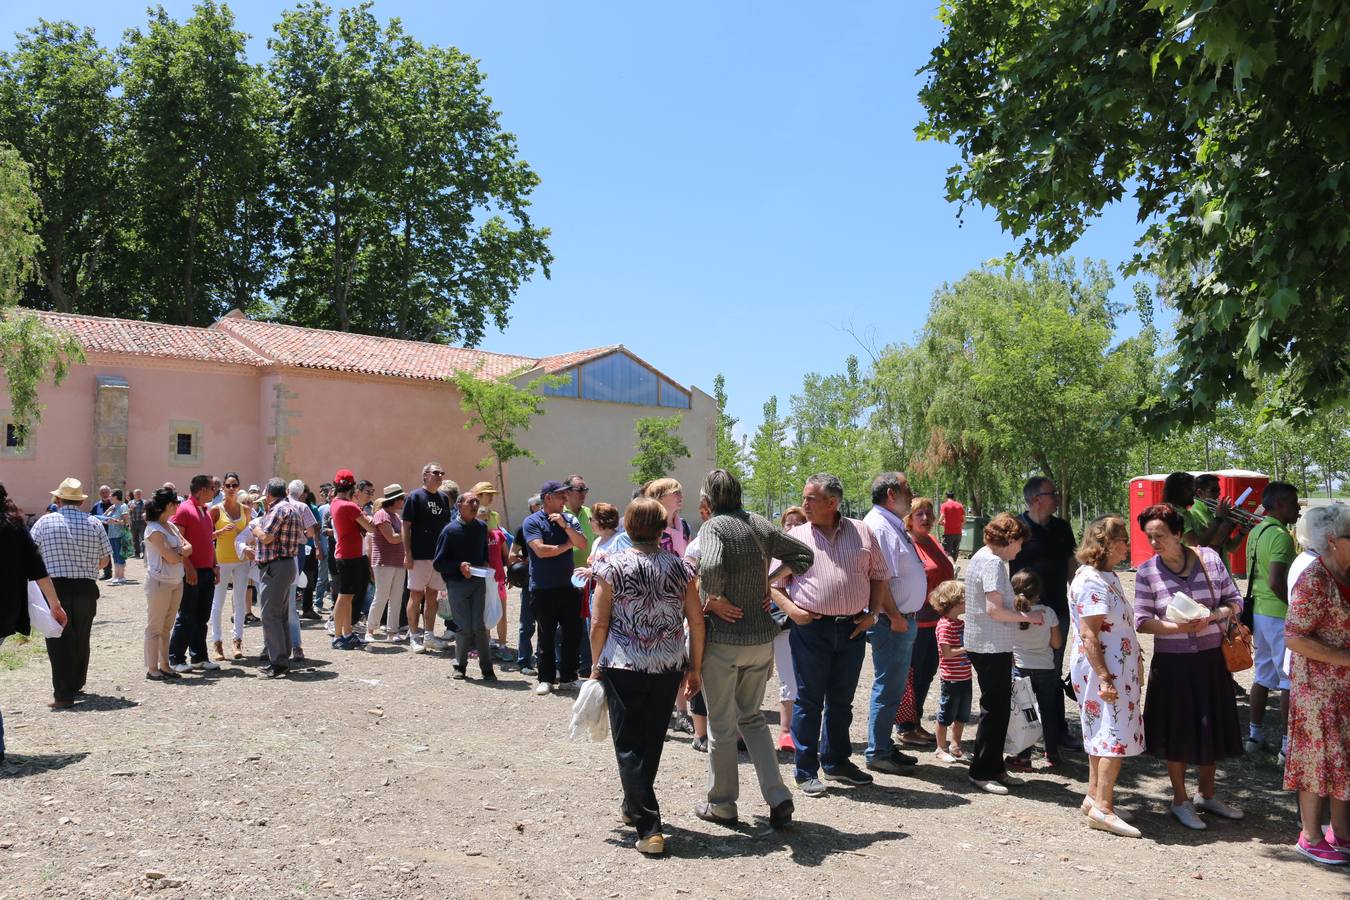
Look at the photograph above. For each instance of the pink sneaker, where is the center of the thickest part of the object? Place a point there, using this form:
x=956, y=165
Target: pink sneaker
x=1335, y=841
x=1320, y=852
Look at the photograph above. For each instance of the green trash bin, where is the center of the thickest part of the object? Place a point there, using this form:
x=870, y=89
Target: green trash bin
x=972, y=534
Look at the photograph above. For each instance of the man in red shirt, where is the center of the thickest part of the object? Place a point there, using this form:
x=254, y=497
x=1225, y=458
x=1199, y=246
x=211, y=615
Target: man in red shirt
x=353, y=566
x=188, y=638
x=953, y=521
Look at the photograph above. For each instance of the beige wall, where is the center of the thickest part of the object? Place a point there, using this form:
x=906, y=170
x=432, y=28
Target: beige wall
x=596, y=439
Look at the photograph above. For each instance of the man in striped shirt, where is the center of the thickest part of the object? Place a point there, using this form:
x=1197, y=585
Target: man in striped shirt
x=831, y=607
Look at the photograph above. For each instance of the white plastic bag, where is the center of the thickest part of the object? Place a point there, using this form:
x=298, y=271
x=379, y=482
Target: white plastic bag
x=1182, y=608
x=1024, y=726
x=492, y=607
x=40, y=615
x=590, y=712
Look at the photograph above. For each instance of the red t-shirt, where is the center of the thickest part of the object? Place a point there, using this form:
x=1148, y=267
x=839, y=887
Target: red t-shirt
x=348, y=533
x=953, y=517
x=199, y=528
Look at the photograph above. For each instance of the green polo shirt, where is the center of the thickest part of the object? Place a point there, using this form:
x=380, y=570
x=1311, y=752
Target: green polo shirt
x=1272, y=543
x=584, y=516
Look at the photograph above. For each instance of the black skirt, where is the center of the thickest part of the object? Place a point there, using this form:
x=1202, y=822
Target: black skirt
x=1190, y=711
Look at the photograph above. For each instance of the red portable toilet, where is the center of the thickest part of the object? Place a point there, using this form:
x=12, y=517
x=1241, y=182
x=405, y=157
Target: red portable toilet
x=1232, y=484
x=1145, y=491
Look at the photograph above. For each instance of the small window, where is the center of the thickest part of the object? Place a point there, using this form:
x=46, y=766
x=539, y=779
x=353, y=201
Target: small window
x=14, y=436
x=18, y=442
x=184, y=445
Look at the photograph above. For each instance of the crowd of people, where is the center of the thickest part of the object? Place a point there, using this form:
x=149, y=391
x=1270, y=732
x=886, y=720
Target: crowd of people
x=685, y=627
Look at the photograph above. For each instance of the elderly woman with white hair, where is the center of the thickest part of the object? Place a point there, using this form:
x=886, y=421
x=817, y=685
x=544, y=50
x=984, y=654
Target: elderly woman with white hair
x=1317, y=634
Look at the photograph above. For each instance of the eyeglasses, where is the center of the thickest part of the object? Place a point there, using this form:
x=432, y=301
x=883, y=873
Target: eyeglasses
x=437, y=472
x=581, y=490
x=469, y=502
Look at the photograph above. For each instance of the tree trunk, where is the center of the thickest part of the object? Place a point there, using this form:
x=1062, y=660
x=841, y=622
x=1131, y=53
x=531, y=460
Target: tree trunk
x=506, y=506
x=339, y=297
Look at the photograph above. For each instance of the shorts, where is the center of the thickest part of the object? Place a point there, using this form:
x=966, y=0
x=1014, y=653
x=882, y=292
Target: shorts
x=353, y=576
x=1269, y=640
x=423, y=576
x=954, y=702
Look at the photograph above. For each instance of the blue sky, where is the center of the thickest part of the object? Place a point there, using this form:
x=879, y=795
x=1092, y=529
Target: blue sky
x=730, y=186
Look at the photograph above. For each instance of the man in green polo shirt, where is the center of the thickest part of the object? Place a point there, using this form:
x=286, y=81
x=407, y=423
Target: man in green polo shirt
x=1222, y=538
x=1270, y=550
x=576, y=505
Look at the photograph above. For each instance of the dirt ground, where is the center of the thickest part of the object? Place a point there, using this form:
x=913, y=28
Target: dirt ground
x=373, y=774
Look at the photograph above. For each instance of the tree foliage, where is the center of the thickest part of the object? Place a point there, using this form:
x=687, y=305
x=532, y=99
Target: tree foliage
x=1224, y=122
x=359, y=180
x=730, y=456
x=29, y=351
x=658, y=446
x=498, y=408
x=770, y=484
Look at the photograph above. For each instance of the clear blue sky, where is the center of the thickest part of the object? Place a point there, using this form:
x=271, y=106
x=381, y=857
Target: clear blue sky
x=730, y=185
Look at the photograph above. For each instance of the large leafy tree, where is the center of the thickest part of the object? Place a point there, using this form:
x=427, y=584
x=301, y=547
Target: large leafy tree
x=58, y=111
x=659, y=446
x=1225, y=122
x=829, y=418
x=195, y=154
x=729, y=453
x=770, y=482
x=405, y=207
x=29, y=351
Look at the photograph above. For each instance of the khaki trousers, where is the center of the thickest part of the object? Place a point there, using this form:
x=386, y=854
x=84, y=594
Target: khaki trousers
x=162, y=599
x=733, y=687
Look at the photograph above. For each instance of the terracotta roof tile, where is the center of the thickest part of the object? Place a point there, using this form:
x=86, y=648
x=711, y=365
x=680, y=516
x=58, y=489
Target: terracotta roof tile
x=152, y=339
x=562, y=361
x=313, y=348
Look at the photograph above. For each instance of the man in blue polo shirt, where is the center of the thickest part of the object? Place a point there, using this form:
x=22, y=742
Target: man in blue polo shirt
x=551, y=534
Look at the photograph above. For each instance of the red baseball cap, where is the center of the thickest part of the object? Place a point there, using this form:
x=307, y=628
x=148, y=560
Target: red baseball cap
x=344, y=478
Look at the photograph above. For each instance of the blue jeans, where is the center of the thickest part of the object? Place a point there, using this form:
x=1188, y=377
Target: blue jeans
x=891, y=652
x=828, y=664
x=525, y=637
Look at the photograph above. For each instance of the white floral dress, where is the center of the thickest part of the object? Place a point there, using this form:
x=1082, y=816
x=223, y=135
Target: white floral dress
x=1109, y=729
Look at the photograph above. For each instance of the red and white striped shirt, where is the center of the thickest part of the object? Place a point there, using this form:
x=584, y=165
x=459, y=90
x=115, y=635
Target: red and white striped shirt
x=847, y=561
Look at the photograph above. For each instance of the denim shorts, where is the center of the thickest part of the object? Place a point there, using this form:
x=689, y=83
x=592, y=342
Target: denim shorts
x=954, y=702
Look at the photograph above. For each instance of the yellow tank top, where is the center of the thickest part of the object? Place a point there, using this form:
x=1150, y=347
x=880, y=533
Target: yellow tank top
x=225, y=553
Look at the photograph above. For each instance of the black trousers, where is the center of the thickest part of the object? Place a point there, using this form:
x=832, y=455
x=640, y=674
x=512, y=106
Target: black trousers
x=311, y=581
x=69, y=653
x=994, y=673
x=554, y=607
x=188, y=637
x=640, y=704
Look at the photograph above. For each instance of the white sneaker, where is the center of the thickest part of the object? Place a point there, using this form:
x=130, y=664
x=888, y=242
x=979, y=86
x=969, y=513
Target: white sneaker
x=328, y=627
x=570, y=686
x=543, y=688
x=944, y=757
x=198, y=666
x=1186, y=815
x=181, y=668
x=417, y=646
x=1218, y=807
x=211, y=665
x=434, y=643
x=1251, y=745
x=989, y=787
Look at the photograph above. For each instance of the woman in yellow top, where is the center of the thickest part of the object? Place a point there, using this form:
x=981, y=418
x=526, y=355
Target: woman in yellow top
x=231, y=520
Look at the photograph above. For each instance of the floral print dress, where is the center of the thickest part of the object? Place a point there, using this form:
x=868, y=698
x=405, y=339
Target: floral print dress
x=1109, y=729
x=1319, y=692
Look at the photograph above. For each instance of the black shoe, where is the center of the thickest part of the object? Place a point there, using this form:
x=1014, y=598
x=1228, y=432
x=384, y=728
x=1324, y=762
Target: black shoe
x=780, y=816
x=308, y=614
x=700, y=744
x=1069, y=742
x=251, y=619
x=458, y=674
x=848, y=773
x=275, y=671
x=902, y=758
x=169, y=674
x=489, y=676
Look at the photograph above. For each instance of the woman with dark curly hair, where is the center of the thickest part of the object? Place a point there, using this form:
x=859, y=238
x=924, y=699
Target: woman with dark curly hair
x=1190, y=712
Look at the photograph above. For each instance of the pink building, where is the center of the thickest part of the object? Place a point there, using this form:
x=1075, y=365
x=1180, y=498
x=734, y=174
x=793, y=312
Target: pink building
x=156, y=403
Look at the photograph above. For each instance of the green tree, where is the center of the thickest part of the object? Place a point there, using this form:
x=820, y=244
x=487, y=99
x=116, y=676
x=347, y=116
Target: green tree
x=406, y=208
x=498, y=409
x=195, y=154
x=658, y=447
x=829, y=417
x=57, y=109
x=729, y=453
x=1224, y=121
x=29, y=351
x=770, y=480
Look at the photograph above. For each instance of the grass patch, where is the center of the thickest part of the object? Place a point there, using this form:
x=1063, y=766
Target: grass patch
x=17, y=651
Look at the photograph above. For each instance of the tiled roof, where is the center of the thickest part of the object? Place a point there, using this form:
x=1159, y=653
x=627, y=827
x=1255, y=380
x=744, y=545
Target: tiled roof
x=152, y=339
x=313, y=348
x=238, y=340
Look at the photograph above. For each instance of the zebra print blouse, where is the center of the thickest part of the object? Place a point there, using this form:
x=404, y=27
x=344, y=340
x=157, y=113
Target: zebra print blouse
x=646, y=624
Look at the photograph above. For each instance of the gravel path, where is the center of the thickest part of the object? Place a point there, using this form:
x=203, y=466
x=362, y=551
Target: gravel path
x=373, y=774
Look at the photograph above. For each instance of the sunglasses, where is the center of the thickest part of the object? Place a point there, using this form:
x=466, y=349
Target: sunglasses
x=234, y=485
x=437, y=472
x=581, y=490
x=468, y=502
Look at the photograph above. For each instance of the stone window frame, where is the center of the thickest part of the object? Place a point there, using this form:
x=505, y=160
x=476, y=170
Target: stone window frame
x=26, y=450
x=194, y=429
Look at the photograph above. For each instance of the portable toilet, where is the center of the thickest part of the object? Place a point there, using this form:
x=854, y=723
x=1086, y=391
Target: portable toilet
x=1232, y=484
x=1145, y=491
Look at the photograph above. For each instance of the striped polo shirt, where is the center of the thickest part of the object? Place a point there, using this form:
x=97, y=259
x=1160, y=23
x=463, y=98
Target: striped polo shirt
x=847, y=560
x=1154, y=585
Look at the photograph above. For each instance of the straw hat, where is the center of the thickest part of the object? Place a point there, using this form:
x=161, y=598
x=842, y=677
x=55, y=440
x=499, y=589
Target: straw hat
x=392, y=492
x=71, y=490
x=484, y=487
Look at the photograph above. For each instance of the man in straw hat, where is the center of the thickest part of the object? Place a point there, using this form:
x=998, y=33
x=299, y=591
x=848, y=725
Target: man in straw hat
x=497, y=551
x=74, y=548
